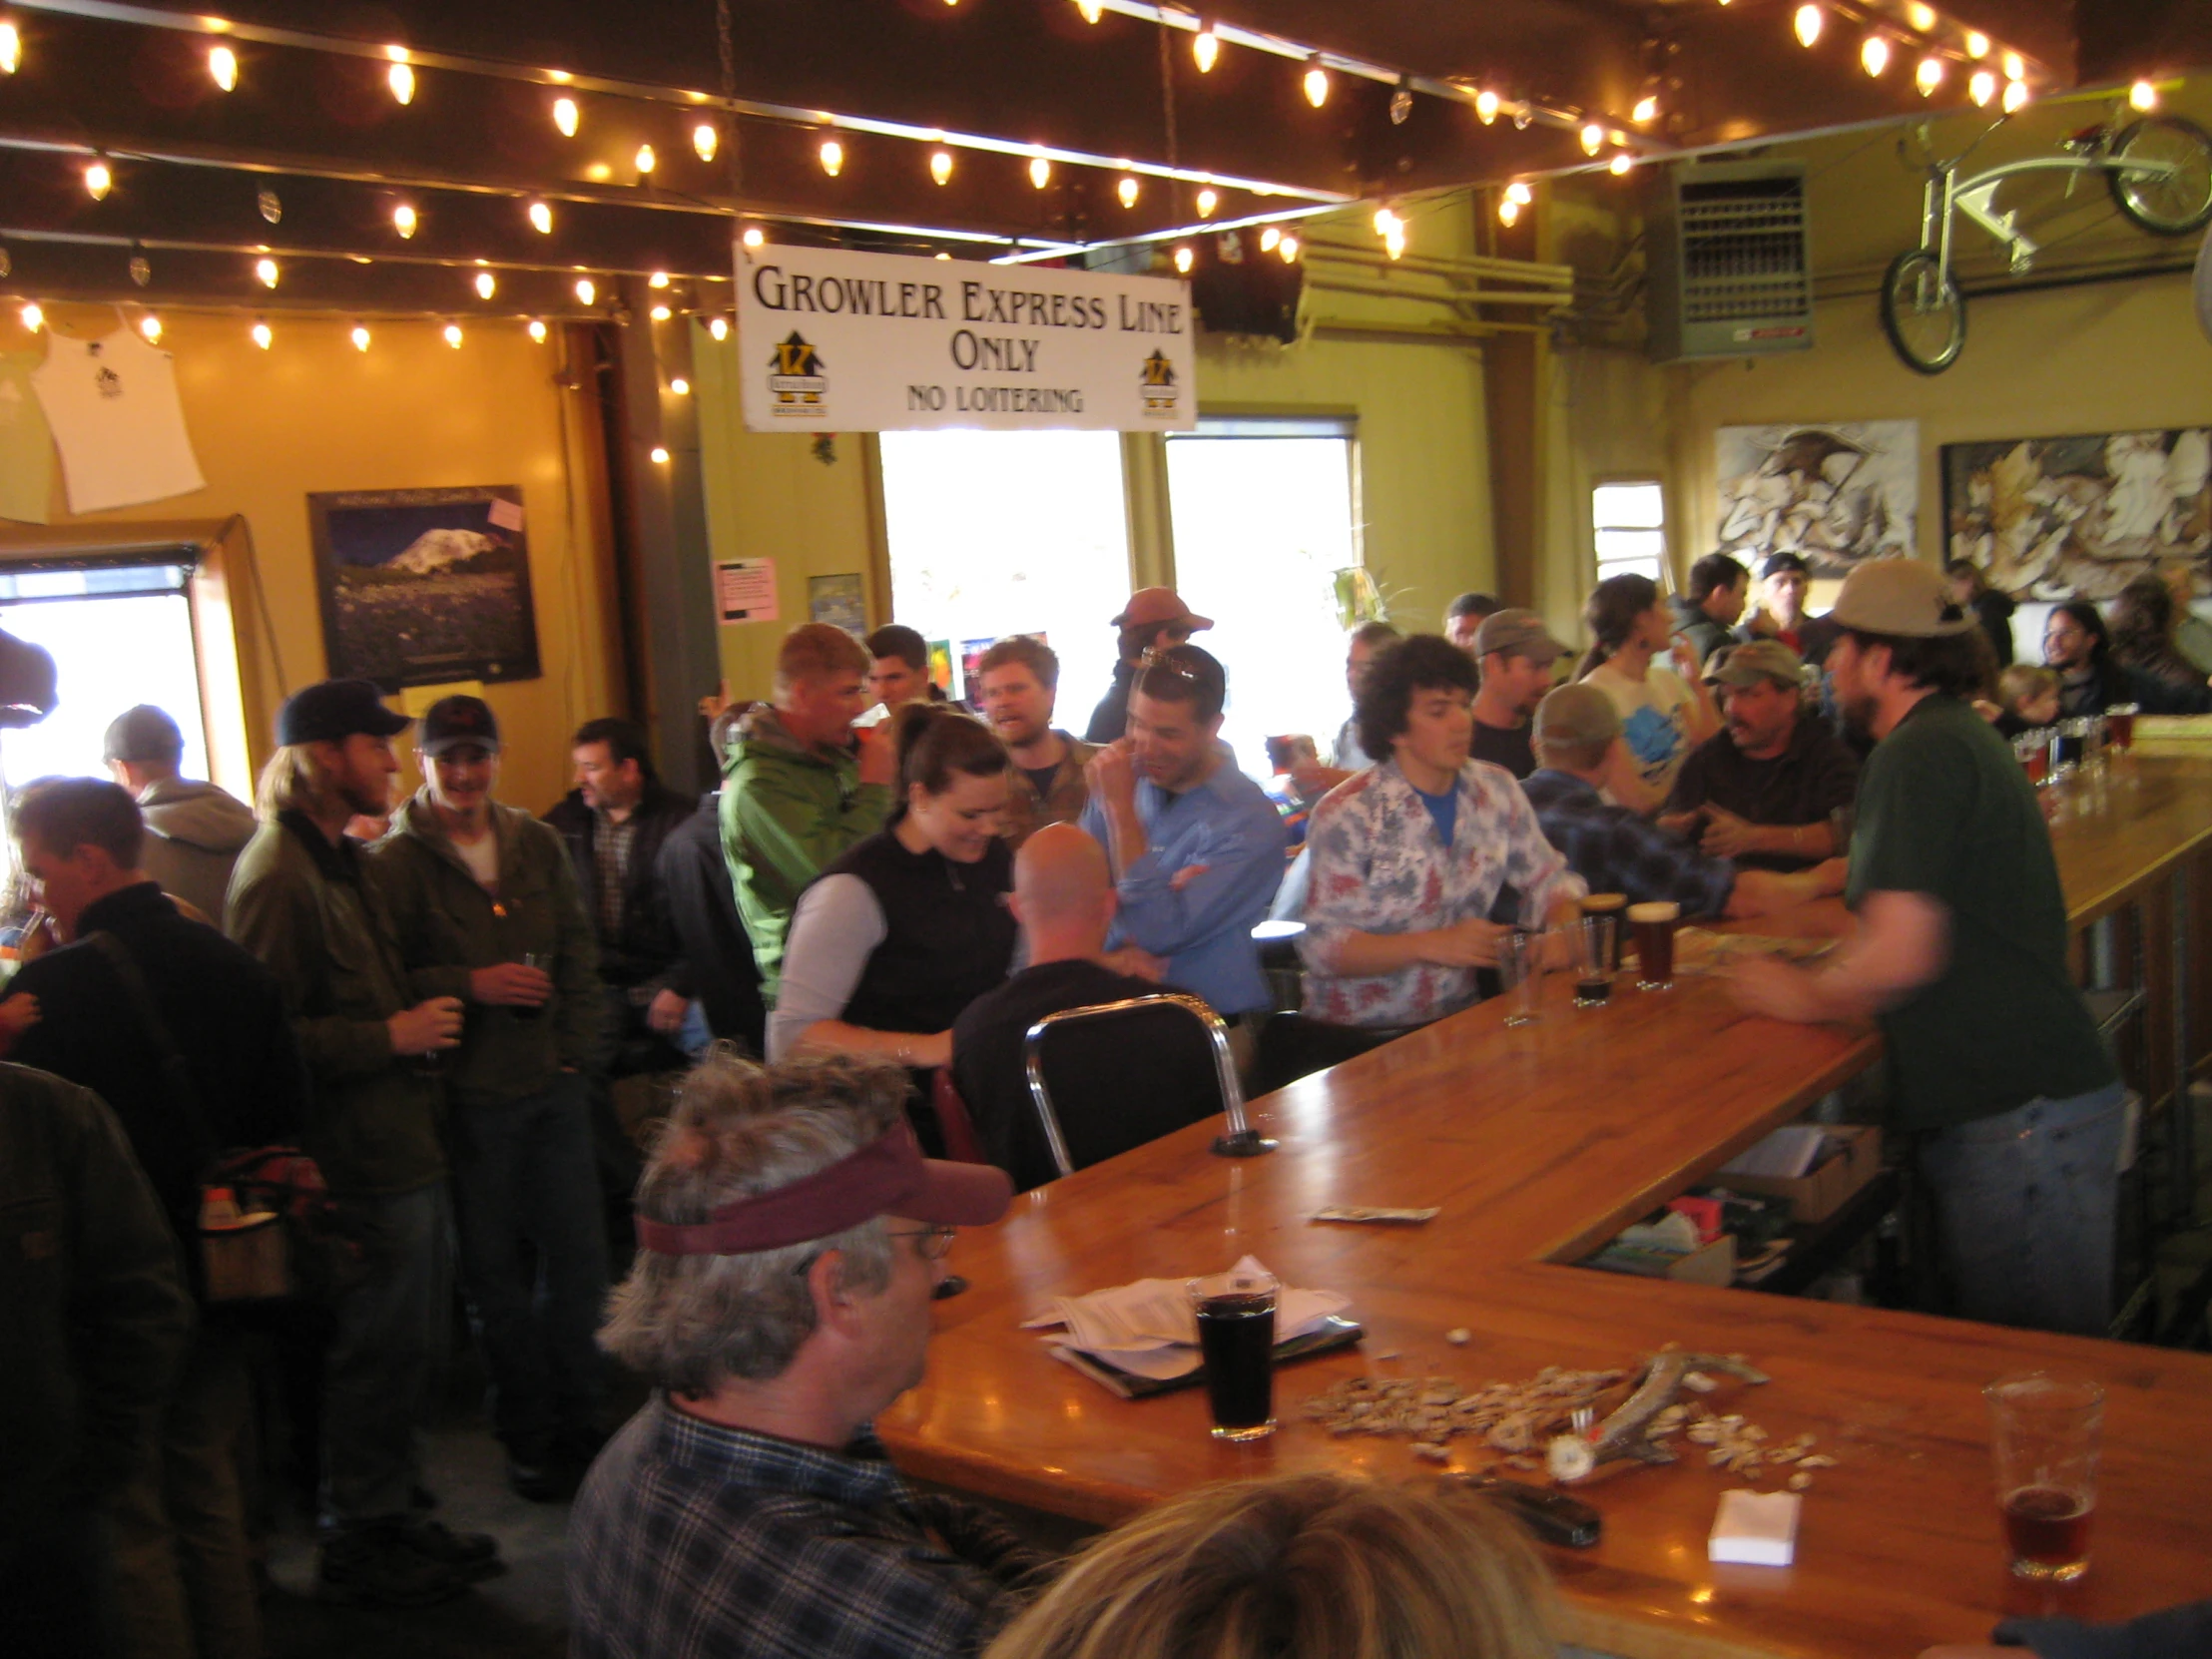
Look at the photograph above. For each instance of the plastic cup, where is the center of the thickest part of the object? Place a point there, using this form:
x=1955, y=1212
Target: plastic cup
x=1236, y=1340
x=2046, y=1432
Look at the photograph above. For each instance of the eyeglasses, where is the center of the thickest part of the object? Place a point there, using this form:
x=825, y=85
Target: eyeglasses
x=1157, y=657
x=936, y=1240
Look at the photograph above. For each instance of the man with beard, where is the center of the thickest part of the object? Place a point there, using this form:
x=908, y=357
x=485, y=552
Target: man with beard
x=300, y=900
x=1773, y=787
x=2078, y=646
x=1997, y=1073
x=1020, y=677
x=1515, y=652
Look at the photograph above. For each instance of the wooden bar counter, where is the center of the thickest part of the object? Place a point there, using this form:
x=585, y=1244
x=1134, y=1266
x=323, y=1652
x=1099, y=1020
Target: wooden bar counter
x=1537, y=1144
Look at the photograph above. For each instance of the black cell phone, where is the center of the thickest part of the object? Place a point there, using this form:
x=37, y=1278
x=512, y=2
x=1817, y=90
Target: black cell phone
x=1552, y=1516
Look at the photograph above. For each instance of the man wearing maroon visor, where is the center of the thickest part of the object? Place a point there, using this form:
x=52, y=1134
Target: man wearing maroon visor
x=791, y=1237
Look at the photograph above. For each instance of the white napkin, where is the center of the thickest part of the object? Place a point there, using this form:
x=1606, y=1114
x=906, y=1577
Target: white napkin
x=1149, y=1329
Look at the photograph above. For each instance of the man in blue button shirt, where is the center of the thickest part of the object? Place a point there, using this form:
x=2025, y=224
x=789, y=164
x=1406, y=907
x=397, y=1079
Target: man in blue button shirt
x=1197, y=847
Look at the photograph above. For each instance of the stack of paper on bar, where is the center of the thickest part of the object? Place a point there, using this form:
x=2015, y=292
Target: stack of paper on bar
x=1148, y=1329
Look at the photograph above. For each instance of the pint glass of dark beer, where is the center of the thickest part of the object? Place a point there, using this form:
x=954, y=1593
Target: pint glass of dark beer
x=1654, y=925
x=1236, y=1341
x=1610, y=904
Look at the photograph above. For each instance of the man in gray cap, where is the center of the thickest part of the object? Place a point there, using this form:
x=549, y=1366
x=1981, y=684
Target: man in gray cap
x=1997, y=1074
x=1578, y=735
x=303, y=902
x=1515, y=652
x=1773, y=789
x=194, y=831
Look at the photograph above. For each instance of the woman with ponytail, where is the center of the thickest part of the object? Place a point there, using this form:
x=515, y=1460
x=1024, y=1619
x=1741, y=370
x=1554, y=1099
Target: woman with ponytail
x=910, y=925
x=1665, y=713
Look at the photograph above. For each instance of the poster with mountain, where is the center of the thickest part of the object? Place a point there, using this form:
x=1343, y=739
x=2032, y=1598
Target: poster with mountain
x=422, y=587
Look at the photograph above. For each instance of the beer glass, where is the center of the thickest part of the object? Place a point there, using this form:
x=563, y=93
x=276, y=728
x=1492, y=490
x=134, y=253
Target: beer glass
x=1236, y=1340
x=2045, y=1433
x=1610, y=904
x=1593, y=979
x=2119, y=725
x=1521, y=963
x=543, y=962
x=1654, y=925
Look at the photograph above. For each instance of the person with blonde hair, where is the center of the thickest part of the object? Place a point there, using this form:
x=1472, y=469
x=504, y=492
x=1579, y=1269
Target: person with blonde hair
x=1310, y=1566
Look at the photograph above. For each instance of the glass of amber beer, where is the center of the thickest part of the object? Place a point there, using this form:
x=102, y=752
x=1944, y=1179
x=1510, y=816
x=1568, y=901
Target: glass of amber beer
x=1654, y=925
x=2045, y=1433
x=2119, y=725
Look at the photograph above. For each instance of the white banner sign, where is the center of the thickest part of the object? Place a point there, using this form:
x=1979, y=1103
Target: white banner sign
x=836, y=342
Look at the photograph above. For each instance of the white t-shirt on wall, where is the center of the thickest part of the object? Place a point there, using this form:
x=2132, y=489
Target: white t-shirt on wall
x=113, y=406
x=1655, y=719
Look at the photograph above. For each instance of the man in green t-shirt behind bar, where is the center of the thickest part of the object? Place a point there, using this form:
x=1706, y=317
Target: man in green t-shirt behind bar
x=1995, y=1069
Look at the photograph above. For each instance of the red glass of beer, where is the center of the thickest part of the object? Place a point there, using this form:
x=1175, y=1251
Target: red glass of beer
x=2045, y=1431
x=2119, y=725
x=1653, y=925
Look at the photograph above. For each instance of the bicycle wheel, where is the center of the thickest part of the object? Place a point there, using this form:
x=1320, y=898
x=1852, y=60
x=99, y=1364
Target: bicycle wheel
x=2169, y=203
x=1923, y=312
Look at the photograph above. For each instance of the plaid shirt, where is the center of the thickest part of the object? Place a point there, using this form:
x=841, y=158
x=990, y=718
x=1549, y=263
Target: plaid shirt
x=610, y=850
x=691, y=1540
x=1614, y=851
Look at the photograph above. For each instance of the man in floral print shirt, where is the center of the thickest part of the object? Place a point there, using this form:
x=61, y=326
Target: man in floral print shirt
x=1409, y=856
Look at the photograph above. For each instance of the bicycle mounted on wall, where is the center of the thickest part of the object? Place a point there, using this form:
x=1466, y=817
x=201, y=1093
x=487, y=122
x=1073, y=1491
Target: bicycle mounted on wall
x=2158, y=168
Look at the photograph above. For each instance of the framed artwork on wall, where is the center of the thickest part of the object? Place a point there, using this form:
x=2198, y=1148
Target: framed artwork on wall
x=837, y=600
x=2080, y=517
x=425, y=587
x=1833, y=493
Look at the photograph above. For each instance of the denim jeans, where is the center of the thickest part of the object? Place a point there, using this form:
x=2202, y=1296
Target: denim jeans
x=533, y=1253
x=387, y=1340
x=2025, y=1207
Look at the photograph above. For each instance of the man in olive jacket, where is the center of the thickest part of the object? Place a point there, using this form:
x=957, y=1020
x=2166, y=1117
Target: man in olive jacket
x=300, y=900
x=794, y=793
x=488, y=909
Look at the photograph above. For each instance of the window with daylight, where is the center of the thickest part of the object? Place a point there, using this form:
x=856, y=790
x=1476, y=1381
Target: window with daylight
x=1265, y=517
x=998, y=533
x=1629, y=516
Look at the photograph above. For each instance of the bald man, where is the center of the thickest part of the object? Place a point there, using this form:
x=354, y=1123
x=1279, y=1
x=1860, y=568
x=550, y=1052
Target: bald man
x=1064, y=900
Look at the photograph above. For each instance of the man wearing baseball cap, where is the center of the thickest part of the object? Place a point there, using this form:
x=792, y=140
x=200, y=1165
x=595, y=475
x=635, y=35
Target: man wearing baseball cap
x=1515, y=652
x=489, y=911
x=1154, y=619
x=303, y=902
x=1997, y=1073
x=1773, y=787
x=194, y=831
x=790, y=1242
x=1578, y=736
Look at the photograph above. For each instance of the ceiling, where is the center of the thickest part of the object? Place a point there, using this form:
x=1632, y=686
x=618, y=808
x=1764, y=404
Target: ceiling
x=995, y=85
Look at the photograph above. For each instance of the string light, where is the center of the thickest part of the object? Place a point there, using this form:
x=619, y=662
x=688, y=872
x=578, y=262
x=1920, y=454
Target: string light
x=1646, y=110
x=2015, y=97
x=1385, y=220
x=833, y=156
x=1620, y=165
x=1509, y=211
x=1874, y=54
x=565, y=117
x=754, y=236
x=1090, y=9
x=1593, y=137
x=1288, y=248
x=360, y=337
x=151, y=327
x=718, y=328
x=1126, y=190
x=1922, y=17
x=660, y=455
x=401, y=81
x=1485, y=105
x=646, y=160
x=222, y=65
x=2142, y=96
x=1041, y=172
x=1316, y=83
x=33, y=315
x=99, y=179
x=404, y=221
x=706, y=137
x=660, y=314
x=1205, y=48
x=679, y=387
x=486, y=284
x=1981, y=86
x=1208, y=200
x=541, y=219
x=658, y=279
x=537, y=330
x=1183, y=259
x=2015, y=67
x=940, y=164
x=263, y=336
x=452, y=334
x=1394, y=241
x=11, y=49
x=1929, y=75
x=1519, y=193
x=1269, y=239
x=1808, y=23
x=1977, y=44
x=587, y=292
x=266, y=269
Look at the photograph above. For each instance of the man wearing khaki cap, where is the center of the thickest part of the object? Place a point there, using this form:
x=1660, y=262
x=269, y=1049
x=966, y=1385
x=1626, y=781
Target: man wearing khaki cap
x=1153, y=620
x=1578, y=736
x=1773, y=787
x=1515, y=652
x=1997, y=1074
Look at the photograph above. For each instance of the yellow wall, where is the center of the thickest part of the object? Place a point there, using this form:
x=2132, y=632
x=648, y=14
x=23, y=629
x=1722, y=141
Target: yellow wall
x=315, y=414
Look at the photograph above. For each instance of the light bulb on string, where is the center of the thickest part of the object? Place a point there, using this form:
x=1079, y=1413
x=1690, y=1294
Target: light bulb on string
x=2015, y=97
x=1208, y=200
x=706, y=137
x=404, y=221
x=1593, y=137
x=451, y=334
x=1509, y=211
x=1288, y=248
x=1874, y=54
x=1620, y=165
x=1922, y=17
x=1126, y=190
x=265, y=270
x=565, y=116
x=1401, y=103
x=678, y=386
x=270, y=206
x=1183, y=260
x=718, y=328
x=940, y=164
x=223, y=66
x=1317, y=82
x=660, y=313
x=1385, y=220
x=401, y=82
x=1519, y=193
x=1205, y=48
x=537, y=330
x=11, y=49
x=587, y=292
x=99, y=178
x=1977, y=44
x=2015, y=67
x=360, y=337
x=1981, y=86
x=1393, y=242
x=659, y=455
x=1268, y=237
x=1929, y=75
x=645, y=161
x=1485, y=105
x=486, y=284
x=833, y=156
x=541, y=219
x=264, y=336
x=1091, y=10
x=754, y=236
x=658, y=279
x=1041, y=172
x=2142, y=96
x=33, y=315
x=1646, y=110
x=1808, y=24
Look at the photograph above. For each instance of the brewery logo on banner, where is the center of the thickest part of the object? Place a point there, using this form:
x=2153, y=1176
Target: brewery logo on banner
x=795, y=377
x=923, y=343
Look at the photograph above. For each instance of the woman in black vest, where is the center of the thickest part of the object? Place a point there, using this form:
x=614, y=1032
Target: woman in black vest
x=910, y=925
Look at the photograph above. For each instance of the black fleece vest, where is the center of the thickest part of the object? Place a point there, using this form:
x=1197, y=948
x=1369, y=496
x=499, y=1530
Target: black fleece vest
x=950, y=937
